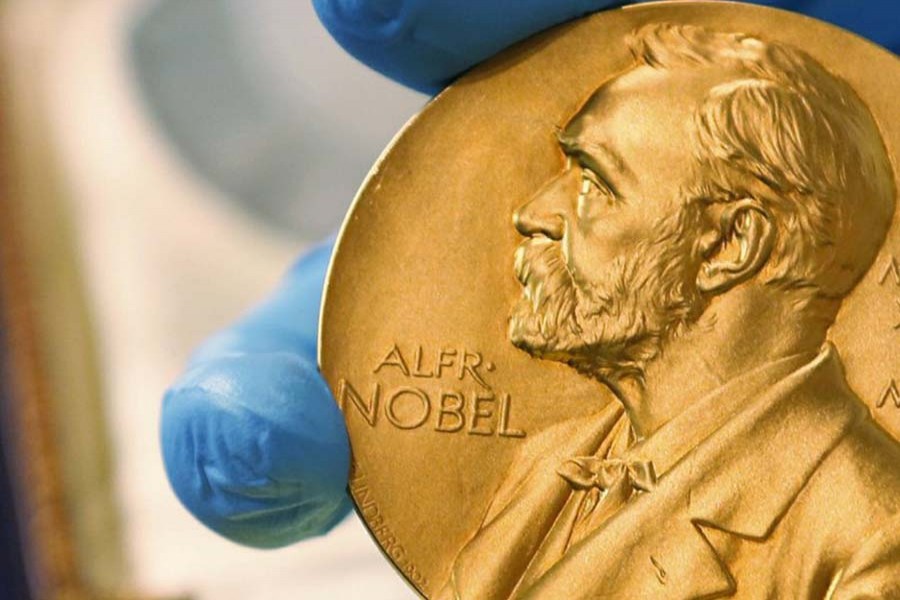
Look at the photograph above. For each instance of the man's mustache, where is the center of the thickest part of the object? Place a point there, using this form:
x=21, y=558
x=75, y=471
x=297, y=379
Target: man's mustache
x=541, y=269
x=548, y=290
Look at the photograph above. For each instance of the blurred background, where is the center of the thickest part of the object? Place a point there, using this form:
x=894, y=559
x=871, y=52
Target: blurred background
x=164, y=162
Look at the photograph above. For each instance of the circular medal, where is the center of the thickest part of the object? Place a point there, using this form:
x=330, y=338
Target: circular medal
x=618, y=315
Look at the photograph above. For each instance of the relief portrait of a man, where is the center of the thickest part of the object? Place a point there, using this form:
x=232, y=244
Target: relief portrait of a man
x=719, y=200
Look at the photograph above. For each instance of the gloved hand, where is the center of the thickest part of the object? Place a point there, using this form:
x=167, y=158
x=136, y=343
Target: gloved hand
x=253, y=442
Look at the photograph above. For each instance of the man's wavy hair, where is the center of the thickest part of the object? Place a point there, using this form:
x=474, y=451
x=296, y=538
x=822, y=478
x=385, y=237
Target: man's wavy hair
x=785, y=122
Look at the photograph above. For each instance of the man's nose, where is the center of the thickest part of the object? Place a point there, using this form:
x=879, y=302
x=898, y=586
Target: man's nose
x=544, y=213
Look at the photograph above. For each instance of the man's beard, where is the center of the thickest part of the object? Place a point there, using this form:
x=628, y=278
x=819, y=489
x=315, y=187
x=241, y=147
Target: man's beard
x=612, y=327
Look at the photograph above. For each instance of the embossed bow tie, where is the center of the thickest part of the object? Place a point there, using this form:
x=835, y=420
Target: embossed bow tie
x=586, y=472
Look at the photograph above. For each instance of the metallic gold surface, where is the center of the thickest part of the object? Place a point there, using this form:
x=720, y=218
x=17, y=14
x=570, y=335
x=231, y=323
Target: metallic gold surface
x=617, y=316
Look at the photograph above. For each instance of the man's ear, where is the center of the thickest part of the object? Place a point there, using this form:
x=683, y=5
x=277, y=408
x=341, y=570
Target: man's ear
x=745, y=241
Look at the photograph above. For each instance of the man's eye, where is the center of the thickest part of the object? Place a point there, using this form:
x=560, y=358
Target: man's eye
x=590, y=182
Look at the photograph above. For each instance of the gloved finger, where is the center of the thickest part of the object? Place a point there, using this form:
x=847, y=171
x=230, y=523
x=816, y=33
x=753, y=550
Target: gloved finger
x=876, y=20
x=424, y=44
x=253, y=442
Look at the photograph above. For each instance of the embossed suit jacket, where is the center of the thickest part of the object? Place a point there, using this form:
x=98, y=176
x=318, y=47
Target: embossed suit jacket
x=795, y=497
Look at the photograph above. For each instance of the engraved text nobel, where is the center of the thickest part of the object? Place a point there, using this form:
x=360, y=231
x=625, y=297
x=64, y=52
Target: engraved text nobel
x=480, y=411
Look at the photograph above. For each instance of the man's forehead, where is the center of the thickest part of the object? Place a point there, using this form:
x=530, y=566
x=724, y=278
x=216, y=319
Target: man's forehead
x=641, y=99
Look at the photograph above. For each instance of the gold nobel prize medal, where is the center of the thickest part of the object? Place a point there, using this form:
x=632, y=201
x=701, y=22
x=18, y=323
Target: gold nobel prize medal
x=618, y=316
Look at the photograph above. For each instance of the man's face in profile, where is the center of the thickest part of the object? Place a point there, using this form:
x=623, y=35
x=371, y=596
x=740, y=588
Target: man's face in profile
x=610, y=261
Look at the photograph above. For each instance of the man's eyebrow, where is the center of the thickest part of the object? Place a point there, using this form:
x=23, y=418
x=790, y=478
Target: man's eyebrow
x=597, y=157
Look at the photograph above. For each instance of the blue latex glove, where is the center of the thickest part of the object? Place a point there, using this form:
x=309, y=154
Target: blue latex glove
x=253, y=442
x=425, y=44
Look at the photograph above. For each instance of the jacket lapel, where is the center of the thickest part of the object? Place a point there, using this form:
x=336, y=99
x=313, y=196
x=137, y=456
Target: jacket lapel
x=650, y=549
x=762, y=460
x=491, y=564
